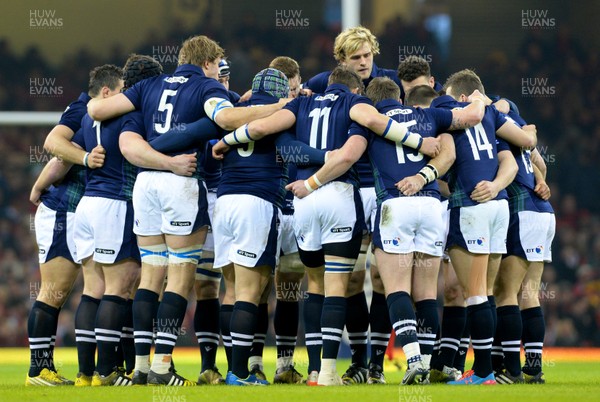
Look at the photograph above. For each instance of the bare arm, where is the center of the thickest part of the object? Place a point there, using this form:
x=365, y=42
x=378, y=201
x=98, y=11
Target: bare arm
x=413, y=184
x=470, y=115
x=522, y=137
x=254, y=131
x=538, y=161
x=58, y=143
x=507, y=170
x=367, y=116
x=107, y=108
x=539, y=171
x=233, y=117
x=139, y=153
x=444, y=188
x=54, y=171
x=337, y=164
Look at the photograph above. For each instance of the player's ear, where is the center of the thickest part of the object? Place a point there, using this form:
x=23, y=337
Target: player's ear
x=105, y=91
x=431, y=81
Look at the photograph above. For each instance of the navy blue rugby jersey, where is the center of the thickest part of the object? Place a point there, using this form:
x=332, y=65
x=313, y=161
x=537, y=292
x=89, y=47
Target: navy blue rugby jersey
x=318, y=83
x=169, y=100
x=323, y=122
x=116, y=177
x=476, y=154
x=391, y=161
x=254, y=168
x=73, y=114
x=522, y=196
x=65, y=195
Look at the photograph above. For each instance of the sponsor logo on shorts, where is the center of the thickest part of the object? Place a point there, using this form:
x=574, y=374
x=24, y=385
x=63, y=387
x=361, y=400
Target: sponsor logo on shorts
x=341, y=230
x=104, y=251
x=181, y=223
x=137, y=222
x=395, y=241
x=478, y=242
x=537, y=250
x=42, y=251
x=439, y=243
x=246, y=254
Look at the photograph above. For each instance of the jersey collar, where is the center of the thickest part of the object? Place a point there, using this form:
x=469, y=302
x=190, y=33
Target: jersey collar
x=84, y=97
x=188, y=69
x=337, y=88
x=387, y=104
x=262, y=98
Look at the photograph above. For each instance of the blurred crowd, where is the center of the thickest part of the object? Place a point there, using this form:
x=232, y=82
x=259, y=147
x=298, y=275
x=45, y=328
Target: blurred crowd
x=566, y=110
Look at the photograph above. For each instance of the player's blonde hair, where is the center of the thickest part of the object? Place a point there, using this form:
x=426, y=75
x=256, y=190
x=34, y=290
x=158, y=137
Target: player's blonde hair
x=350, y=40
x=199, y=49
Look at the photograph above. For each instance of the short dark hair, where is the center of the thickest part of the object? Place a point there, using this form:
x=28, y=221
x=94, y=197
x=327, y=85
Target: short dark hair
x=107, y=75
x=347, y=77
x=139, y=67
x=420, y=95
x=413, y=67
x=382, y=88
x=464, y=82
x=286, y=65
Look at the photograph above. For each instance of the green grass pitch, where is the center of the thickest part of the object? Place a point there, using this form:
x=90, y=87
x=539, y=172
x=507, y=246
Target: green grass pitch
x=574, y=381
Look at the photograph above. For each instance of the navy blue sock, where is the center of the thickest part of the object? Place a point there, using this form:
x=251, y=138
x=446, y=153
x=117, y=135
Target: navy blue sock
x=287, y=314
x=169, y=318
x=453, y=324
x=509, y=331
x=313, y=310
x=534, y=330
x=109, y=325
x=206, y=326
x=85, y=337
x=262, y=326
x=357, y=325
x=41, y=327
x=428, y=324
x=243, y=327
x=492, y=301
x=53, y=340
x=381, y=327
x=404, y=322
x=497, y=355
x=465, y=339
x=127, y=343
x=145, y=306
x=481, y=325
x=402, y=315
x=225, y=318
x=332, y=325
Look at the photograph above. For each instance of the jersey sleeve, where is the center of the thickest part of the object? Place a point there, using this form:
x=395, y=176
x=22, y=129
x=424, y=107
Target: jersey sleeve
x=134, y=94
x=360, y=99
x=318, y=83
x=442, y=118
x=78, y=138
x=517, y=118
x=134, y=122
x=357, y=129
x=73, y=114
x=499, y=117
x=502, y=145
x=190, y=135
x=302, y=154
x=293, y=106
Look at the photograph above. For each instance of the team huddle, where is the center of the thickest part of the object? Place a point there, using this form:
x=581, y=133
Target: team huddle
x=163, y=184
